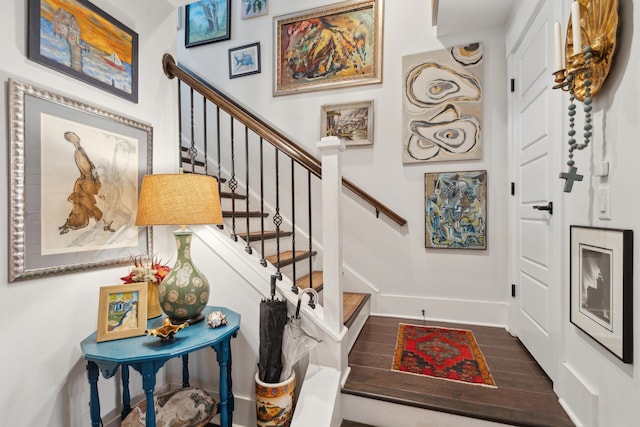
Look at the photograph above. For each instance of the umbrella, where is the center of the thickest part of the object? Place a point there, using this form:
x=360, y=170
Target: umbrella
x=273, y=317
x=296, y=343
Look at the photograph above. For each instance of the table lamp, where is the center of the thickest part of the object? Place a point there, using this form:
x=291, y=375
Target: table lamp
x=181, y=199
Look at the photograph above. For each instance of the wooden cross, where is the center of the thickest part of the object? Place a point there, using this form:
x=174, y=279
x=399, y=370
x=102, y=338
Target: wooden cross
x=570, y=177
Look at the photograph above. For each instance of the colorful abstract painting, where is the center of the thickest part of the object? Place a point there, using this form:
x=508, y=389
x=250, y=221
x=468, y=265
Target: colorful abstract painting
x=442, y=97
x=456, y=210
x=329, y=47
x=78, y=39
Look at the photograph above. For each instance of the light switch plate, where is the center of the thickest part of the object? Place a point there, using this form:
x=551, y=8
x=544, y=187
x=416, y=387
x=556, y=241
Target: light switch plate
x=603, y=202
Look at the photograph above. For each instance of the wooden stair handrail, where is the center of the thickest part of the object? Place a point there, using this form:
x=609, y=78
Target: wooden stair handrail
x=265, y=131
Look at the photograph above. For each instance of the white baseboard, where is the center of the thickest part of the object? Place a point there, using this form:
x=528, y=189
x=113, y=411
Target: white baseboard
x=579, y=401
x=486, y=313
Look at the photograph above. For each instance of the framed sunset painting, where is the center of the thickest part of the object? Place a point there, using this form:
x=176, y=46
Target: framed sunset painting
x=78, y=39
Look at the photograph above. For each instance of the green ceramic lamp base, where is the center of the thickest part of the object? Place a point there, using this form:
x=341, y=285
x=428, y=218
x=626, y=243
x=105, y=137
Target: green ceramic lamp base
x=184, y=293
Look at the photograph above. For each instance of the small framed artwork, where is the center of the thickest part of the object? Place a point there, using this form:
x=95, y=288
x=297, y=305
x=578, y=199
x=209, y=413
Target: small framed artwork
x=456, y=210
x=602, y=287
x=329, y=47
x=352, y=122
x=253, y=8
x=122, y=311
x=78, y=39
x=207, y=21
x=75, y=175
x=244, y=60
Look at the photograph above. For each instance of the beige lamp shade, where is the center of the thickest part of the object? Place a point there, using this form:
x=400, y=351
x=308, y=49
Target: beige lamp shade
x=179, y=199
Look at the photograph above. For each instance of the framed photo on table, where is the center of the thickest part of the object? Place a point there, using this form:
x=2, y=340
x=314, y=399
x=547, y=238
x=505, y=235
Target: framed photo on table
x=75, y=178
x=122, y=311
x=602, y=287
x=81, y=40
x=207, y=21
x=329, y=47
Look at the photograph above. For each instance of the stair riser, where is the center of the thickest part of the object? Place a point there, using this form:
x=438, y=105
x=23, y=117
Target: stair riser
x=385, y=414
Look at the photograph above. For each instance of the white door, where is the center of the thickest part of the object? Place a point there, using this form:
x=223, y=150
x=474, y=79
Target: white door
x=536, y=143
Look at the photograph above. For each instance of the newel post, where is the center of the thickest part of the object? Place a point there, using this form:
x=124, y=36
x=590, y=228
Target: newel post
x=330, y=148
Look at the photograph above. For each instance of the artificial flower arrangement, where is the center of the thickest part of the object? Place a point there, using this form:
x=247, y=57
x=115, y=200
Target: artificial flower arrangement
x=153, y=271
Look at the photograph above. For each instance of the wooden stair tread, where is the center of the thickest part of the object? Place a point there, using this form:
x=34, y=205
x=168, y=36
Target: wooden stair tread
x=244, y=214
x=352, y=303
x=257, y=235
x=229, y=195
x=188, y=161
x=221, y=180
x=287, y=257
x=316, y=277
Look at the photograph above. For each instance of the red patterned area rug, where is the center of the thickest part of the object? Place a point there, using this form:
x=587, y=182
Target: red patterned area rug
x=444, y=353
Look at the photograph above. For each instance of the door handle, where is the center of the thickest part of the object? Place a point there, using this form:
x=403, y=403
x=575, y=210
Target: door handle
x=547, y=207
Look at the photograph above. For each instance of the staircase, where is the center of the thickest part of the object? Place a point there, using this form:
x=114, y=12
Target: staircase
x=278, y=208
x=353, y=302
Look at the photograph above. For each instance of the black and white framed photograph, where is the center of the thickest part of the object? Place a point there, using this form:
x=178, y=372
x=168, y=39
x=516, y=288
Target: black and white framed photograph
x=244, y=60
x=602, y=287
x=75, y=180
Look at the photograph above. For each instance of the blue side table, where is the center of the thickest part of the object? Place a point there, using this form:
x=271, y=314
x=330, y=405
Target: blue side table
x=147, y=354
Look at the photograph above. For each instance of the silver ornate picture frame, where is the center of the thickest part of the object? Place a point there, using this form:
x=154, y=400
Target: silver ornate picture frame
x=75, y=174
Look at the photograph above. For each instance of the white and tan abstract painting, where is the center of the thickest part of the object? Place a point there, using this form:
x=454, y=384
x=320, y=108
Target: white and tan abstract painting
x=442, y=111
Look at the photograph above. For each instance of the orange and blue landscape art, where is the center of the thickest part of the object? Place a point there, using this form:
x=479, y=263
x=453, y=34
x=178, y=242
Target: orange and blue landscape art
x=79, y=37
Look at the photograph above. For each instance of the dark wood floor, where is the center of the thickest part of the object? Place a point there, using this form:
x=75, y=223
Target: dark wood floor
x=523, y=397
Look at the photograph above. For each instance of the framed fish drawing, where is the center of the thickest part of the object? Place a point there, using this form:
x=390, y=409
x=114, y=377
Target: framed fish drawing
x=328, y=47
x=442, y=105
x=244, y=60
x=77, y=38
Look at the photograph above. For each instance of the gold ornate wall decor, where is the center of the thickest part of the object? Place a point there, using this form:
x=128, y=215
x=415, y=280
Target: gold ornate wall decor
x=598, y=28
x=590, y=44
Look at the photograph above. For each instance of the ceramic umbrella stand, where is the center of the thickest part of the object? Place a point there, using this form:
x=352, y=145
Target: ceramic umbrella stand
x=274, y=402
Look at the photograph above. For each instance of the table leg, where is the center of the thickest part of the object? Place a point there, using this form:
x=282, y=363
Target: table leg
x=94, y=399
x=223, y=353
x=148, y=385
x=185, y=371
x=126, y=396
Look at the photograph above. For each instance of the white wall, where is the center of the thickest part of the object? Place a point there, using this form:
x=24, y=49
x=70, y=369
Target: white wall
x=595, y=386
x=41, y=369
x=450, y=284
x=616, y=126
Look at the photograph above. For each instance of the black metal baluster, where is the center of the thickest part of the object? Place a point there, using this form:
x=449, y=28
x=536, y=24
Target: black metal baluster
x=277, y=219
x=193, y=151
x=221, y=226
x=204, y=131
x=180, y=122
x=294, y=287
x=246, y=158
x=310, y=230
x=263, y=261
x=233, y=183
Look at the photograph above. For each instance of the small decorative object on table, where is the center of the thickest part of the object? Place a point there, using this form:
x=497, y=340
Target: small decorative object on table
x=216, y=318
x=166, y=332
x=151, y=271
